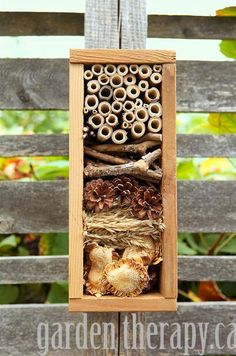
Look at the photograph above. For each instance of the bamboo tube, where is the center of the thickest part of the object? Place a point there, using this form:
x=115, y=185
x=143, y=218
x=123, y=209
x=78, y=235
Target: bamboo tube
x=155, y=109
x=94, y=111
x=138, y=103
x=122, y=69
x=145, y=105
x=152, y=95
x=125, y=125
x=154, y=124
x=116, y=81
x=133, y=68
x=110, y=69
x=103, y=79
x=137, y=130
x=112, y=120
x=88, y=74
x=128, y=105
x=96, y=121
x=116, y=107
x=93, y=86
x=119, y=136
x=91, y=102
x=129, y=117
x=104, y=108
x=104, y=133
x=129, y=79
x=145, y=71
x=97, y=69
x=141, y=114
x=157, y=68
x=119, y=94
x=86, y=110
x=105, y=93
x=143, y=85
x=156, y=78
x=132, y=91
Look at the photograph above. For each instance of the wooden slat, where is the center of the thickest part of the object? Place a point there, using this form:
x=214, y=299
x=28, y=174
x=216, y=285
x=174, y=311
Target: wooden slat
x=21, y=324
x=49, y=269
x=72, y=24
x=121, y=56
x=43, y=206
x=31, y=83
x=195, y=27
x=41, y=24
x=133, y=19
x=101, y=24
x=209, y=313
x=57, y=145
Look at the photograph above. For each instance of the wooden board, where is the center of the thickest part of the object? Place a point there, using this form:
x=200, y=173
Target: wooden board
x=121, y=56
x=43, y=206
x=72, y=24
x=48, y=269
x=58, y=145
x=30, y=84
x=168, y=281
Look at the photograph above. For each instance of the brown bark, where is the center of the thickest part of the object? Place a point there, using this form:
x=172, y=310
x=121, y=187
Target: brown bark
x=140, y=148
x=104, y=157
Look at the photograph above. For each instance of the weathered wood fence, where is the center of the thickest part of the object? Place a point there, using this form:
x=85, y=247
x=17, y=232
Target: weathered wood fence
x=43, y=206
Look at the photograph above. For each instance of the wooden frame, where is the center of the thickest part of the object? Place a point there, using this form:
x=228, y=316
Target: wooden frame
x=165, y=300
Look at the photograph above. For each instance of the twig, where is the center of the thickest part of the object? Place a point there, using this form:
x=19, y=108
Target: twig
x=149, y=137
x=140, y=148
x=104, y=157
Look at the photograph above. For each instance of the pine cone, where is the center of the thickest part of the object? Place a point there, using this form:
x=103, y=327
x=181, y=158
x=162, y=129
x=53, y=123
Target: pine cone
x=125, y=187
x=147, y=203
x=99, y=195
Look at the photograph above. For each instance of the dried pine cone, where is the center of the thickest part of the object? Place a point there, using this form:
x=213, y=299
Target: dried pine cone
x=99, y=195
x=125, y=187
x=147, y=203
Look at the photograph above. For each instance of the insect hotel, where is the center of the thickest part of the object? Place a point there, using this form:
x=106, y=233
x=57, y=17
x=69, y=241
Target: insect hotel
x=122, y=219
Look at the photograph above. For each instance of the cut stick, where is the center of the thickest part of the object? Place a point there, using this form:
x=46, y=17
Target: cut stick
x=140, y=168
x=104, y=157
x=150, y=137
x=140, y=148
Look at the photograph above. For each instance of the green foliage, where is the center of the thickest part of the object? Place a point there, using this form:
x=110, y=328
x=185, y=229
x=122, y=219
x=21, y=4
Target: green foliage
x=228, y=47
x=58, y=293
x=8, y=294
x=186, y=169
x=19, y=122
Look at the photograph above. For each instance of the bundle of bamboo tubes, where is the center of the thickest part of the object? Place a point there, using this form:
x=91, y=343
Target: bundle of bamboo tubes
x=122, y=103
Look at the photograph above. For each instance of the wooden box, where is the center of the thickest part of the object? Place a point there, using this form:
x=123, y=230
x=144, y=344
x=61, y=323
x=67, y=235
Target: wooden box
x=165, y=298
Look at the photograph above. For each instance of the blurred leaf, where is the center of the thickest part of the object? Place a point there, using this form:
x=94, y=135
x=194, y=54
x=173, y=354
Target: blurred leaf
x=217, y=166
x=45, y=244
x=22, y=251
x=184, y=249
x=52, y=170
x=227, y=11
x=8, y=294
x=9, y=242
x=186, y=169
x=228, y=48
x=228, y=289
x=223, y=122
x=60, y=244
x=58, y=293
x=209, y=291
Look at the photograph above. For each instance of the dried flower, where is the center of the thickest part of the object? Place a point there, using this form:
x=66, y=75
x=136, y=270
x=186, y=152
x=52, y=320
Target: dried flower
x=99, y=195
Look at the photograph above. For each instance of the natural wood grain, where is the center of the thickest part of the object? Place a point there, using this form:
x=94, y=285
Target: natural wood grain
x=168, y=285
x=76, y=182
x=144, y=302
x=48, y=269
x=19, y=325
x=58, y=145
x=121, y=56
x=43, y=206
x=133, y=20
x=195, y=27
x=31, y=83
x=101, y=24
x=41, y=24
x=208, y=313
x=72, y=24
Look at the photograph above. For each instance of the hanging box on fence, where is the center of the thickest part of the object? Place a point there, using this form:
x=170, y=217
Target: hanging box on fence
x=122, y=185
